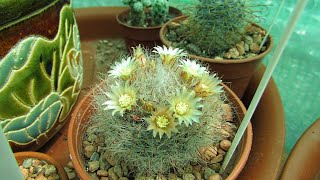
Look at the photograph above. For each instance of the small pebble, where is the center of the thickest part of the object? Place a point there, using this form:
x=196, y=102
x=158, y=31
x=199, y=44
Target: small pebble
x=40, y=177
x=102, y=173
x=27, y=163
x=196, y=168
x=215, y=166
x=89, y=150
x=92, y=137
x=54, y=177
x=221, y=151
x=215, y=177
x=172, y=176
x=24, y=172
x=67, y=169
x=71, y=175
x=94, y=156
x=93, y=166
x=36, y=162
x=50, y=169
x=225, y=144
x=240, y=48
x=112, y=175
x=254, y=47
x=188, y=176
x=117, y=169
x=197, y=175
x=208, y=153
x=217, y=159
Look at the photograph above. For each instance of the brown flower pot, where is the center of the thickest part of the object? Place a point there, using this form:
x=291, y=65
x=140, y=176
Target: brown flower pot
x=304, y=160
x=146, y=36
x=20, y=156
x=235, y=73
x=84, y=109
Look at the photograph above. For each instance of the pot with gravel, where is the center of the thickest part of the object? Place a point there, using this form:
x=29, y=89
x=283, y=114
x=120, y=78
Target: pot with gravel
x=157, y=115
x=142, y=21
x=35, y=165
x=222, y=34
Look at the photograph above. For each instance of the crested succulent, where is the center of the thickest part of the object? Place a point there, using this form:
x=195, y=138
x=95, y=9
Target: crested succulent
x=147, y=13
x=157, y=117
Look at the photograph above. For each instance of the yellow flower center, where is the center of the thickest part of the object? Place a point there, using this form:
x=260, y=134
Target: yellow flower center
x=182, y=108
x=205, y=87
x=193, y=71
x=125, y=73
x=125, y=101
x=162, y=121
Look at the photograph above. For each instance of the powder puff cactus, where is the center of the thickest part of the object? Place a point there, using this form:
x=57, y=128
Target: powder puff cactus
x=155, y=120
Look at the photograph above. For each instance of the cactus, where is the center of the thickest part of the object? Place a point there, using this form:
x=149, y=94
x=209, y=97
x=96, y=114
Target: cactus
x=147, y=13
x=160, y=11
x=157, y=110
x=217, y=25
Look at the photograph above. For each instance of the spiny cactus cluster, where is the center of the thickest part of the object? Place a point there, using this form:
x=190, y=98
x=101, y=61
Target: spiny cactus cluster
x=147, y=13
x=217, y=25
x=157, y=109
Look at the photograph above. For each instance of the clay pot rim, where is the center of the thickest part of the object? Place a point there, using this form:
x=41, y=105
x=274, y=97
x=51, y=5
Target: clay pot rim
x=126, y=12
x=165, y=41
x=249, y=138
x=241, y=162
x=20, y=156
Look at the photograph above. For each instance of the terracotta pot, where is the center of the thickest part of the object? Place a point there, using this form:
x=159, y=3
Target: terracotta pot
x=146, y=36
x=20, y=156
x=83, y=111
x=235, y=73
x=304, y=159
x=41, y=70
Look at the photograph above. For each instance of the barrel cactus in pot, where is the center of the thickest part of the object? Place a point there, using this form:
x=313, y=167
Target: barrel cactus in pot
x=155, y=115
x=223, y=33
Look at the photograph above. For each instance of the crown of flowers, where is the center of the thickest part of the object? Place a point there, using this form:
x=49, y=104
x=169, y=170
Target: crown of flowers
x=185, y=105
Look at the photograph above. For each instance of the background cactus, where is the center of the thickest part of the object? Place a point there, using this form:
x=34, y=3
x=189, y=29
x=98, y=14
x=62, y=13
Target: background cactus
x=156, y=110
x=217, y=25
x=147, y=13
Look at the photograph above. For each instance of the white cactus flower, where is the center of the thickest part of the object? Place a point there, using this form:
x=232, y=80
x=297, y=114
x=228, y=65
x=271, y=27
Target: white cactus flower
x=161, y=122
x=191, y=69
x=208, y=85
x=185, y=106
x=121, y=98
x=169, y=55
x=124, y=69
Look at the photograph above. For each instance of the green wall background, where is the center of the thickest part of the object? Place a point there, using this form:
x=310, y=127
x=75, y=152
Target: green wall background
x=298, y=72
